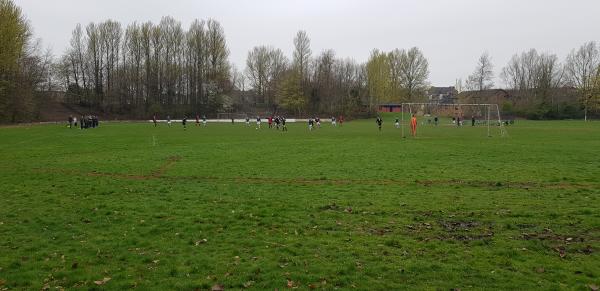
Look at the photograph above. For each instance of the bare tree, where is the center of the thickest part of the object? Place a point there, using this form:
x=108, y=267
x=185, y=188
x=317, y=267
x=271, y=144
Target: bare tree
x=197, y=46
x=217, y=51
x=533, y=75
x=394, y=64
x=413, y=73
x=146, y=46
x=132, y=62
x=24, y=68
x=323, y=81
x=94, y=53
x=302, y=53
x=265, y=66
x=513, y=74
x=257, y=69
x=64, y=67
x=582, y=67
x=110, y=38
x=172, y=40
x=279, y=65
x=379, y=82
x=399, y=75
x=48, y=71
x=157, y=82
x=482, y=77
x=238, y=79
x=549, y=76
x=78, y=50
x=458, y=85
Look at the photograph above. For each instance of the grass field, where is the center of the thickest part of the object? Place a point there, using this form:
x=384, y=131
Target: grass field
x=132, y=206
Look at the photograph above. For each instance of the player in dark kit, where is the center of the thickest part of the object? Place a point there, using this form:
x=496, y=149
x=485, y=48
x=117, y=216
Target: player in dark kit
x=154, y=120
x=277, y=122
x=184, y=122
x=379, y=122
x=284, y=127
x=197, y=120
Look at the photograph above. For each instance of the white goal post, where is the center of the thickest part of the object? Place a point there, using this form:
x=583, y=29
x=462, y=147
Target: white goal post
x=457, y=111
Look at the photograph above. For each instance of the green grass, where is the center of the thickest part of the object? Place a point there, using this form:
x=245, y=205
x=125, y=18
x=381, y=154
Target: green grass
x=162, y=208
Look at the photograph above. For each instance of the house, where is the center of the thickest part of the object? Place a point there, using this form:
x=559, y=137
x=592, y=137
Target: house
x=490, y=96
x=444, y=95
x=389, y=107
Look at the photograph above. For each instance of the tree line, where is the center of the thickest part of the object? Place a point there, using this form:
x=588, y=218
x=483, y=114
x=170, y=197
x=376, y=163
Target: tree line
x=327, y=83
x=305, y=84
x=23, y=66
x=145, y=68
x=538, y=79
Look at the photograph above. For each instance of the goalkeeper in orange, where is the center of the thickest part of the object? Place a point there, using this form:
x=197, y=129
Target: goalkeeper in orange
x=413, y=125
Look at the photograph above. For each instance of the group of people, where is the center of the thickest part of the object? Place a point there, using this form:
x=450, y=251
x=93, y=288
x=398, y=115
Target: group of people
x=413, y=124
x=183, y=120
x=316, y=122
x=460, y=121
x=279, y=121
x=312, y=122
x=436, y=121
x=86, y=121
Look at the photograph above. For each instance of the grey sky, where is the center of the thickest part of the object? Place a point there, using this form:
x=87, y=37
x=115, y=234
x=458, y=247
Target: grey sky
x=452, y=34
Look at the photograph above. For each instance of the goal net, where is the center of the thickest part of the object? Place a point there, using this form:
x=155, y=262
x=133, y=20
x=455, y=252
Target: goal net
x=436, y=114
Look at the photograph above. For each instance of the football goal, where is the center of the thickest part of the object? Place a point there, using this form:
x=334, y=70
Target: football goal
x=437, y=114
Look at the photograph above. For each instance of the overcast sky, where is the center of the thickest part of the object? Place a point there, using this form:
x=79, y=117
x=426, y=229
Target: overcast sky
x=451, y=33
